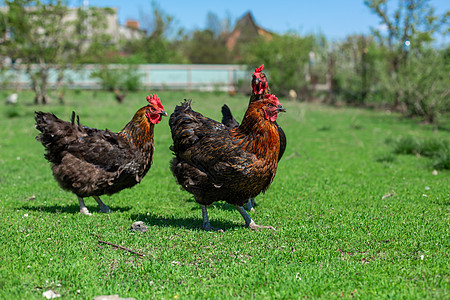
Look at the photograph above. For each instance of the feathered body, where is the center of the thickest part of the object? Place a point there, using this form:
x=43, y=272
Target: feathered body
x=229, y=121
x=93, y=162
x=260, y=88
x=216, y=163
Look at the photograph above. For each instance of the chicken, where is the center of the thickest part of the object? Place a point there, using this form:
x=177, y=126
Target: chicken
x=119, y=97
x=93, y=162
x=260, y=87
x=12, y=99
x=215, y=163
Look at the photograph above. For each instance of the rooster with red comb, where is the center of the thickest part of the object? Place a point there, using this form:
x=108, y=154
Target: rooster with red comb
x=94, y=162
x=215, y=163
x=260, y=88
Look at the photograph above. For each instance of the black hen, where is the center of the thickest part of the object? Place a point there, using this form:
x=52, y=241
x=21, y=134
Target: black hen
x=93, y=162
x=215, y=163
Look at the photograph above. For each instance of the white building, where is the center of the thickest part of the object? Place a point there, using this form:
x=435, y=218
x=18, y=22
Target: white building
x=116, y=31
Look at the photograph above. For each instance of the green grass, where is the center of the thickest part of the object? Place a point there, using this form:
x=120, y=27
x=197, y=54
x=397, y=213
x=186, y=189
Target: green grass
x=436, y=148
x=353, y=219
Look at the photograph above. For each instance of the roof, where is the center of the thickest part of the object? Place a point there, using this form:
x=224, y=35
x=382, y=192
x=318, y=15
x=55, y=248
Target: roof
x=245, y=30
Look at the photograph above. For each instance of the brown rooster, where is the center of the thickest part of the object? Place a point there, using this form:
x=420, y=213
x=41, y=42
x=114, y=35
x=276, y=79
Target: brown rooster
x=215, y=163
x=93, y=162
x=260, y=87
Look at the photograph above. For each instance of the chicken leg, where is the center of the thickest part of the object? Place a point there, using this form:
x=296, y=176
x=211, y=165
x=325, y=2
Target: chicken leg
x=103, y=207
x=248, y=221
x=250, y=205
x=206, y=225
x=84, y=210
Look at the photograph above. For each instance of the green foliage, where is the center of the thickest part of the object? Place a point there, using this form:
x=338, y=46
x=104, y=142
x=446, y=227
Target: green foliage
x=5, y=78
x=206, y=48
x=407, y=145
x=151, y=49
x=286, y=57
x=436, y=149
x=156, y=47
x=355, y=73
x=412, y=20
x=422, y=84
x=43, y=39
x=126, y=78
x=414, y=77
x=385, y=157
x=397, y=67
x=347, y=225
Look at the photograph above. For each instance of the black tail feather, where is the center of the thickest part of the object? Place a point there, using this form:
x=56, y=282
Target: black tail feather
x=227, y=117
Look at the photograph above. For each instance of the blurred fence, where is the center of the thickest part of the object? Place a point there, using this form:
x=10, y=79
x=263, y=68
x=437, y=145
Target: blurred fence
x=152, y=76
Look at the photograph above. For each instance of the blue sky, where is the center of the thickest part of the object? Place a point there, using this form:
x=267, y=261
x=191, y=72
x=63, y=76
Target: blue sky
x=334, y=18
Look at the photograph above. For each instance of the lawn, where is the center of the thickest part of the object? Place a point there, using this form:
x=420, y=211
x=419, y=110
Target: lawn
x=352, y=218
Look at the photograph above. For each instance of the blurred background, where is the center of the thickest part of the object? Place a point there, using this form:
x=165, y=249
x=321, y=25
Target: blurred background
x=379, y=54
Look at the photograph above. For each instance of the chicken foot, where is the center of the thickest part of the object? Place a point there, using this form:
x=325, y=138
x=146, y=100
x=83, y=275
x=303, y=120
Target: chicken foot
x=206, y=225
x=84, y=210
x=248, y=221
x=103, y=207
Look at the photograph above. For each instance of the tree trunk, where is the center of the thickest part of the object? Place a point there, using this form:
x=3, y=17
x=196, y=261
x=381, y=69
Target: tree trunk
x=59, y=87
x=36, y=89
x=331, y=78
x=364, y=75
x=44, y=82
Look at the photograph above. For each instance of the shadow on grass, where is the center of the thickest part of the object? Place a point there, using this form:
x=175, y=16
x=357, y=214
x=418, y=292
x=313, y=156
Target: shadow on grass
x=219, y=204
x=71, y=209
x=191, y=223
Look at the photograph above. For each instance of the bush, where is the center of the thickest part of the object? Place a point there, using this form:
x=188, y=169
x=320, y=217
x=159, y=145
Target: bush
x=125, y=78
x=423, y=85
x=354, y=75
x=436, y=149
x=5, y=78
x=287, y=59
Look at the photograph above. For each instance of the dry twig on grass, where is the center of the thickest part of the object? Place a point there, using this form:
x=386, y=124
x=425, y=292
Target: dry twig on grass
x=121, y=247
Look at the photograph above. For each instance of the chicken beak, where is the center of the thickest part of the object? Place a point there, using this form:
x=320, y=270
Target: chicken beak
x=281, y=108
x=163, y=113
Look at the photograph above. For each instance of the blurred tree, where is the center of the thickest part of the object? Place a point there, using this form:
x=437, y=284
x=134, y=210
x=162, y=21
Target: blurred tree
x=287, y=59
x=205, y=48
x=214, y=24
x=156, y=47
x=355, y=63
x=217, y=26
x=3, y=27
x=409, y=30
x=208, y=46
x=423, y=84
x=44, y=37
x=123, y=77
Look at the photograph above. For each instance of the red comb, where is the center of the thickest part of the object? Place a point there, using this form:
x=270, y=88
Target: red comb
x=258, y=70
x=154, y=100
x=271, y=97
